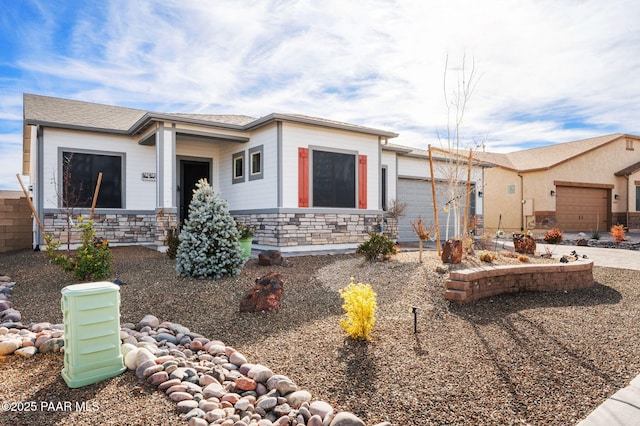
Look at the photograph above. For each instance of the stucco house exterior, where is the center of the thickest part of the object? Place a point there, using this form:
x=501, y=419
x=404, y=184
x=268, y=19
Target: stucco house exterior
x=582, y=186
x=305, y=182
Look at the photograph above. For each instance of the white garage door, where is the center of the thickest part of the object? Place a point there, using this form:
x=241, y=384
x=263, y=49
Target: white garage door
x=417, y=195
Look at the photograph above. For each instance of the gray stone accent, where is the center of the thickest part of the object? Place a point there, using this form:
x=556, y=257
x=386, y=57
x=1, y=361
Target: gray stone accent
x=119, y=228
x=304, y=229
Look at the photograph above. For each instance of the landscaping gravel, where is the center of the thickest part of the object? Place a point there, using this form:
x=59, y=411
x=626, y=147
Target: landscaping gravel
x=529, y=358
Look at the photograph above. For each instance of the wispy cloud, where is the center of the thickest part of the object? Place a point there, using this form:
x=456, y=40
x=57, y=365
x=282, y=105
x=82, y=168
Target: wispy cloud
x=551, y=71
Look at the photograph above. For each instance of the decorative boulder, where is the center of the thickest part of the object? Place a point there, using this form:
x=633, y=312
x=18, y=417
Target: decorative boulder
x=582, y=242
x=452, y=251
x=270, y=258
x=265, y=294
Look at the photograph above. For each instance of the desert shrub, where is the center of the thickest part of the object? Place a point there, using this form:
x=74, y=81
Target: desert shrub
x=360, y=310
x=595, y=235
x=487, y=257
x=524, y=243
x=52, y=253
x=553, y=236
x=209, y=246
x=617, y=232
x=509, y=254
x=524, y=259
x=92, y=260
x=172, y=241
x=377, y=247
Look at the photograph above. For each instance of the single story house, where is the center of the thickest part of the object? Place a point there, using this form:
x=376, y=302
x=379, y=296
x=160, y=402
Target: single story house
x=305, y=182
x=586, y=185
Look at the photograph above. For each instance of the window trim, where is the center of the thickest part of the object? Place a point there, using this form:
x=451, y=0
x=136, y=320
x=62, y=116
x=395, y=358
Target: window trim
x=123, y=173
x=238, y=156
x=256, y=150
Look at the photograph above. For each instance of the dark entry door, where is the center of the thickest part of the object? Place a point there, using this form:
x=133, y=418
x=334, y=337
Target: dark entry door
x=190, y=173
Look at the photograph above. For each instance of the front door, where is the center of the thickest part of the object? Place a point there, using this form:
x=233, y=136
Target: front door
x=190, y=173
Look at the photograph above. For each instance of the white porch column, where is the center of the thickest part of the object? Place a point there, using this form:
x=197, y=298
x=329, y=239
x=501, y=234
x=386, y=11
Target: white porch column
x=166, y=167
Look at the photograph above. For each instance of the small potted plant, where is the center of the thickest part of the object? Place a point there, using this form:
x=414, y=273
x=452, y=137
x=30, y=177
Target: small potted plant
x=245, y=238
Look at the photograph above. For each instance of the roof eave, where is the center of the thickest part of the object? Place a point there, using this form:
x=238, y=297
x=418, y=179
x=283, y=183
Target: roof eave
x=396, y=149
x=149, y=117
x=309, y=120
x=31, y=122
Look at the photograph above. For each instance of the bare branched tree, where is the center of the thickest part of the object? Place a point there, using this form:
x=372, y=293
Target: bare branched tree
x=455, y=166
x=68, y=196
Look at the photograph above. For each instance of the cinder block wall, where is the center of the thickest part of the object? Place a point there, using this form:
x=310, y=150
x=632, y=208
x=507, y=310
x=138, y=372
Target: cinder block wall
x=16, y=224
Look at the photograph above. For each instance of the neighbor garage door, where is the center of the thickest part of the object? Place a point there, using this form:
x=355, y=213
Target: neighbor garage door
x=417, y=194
x=582, y=209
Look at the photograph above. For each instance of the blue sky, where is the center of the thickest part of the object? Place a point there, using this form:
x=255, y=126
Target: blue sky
x=549, y=71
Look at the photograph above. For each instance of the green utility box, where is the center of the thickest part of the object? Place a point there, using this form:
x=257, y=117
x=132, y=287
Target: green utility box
x=91, y=314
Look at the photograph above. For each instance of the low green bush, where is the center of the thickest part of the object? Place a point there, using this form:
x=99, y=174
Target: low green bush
x=92, y=260
x=377, y=247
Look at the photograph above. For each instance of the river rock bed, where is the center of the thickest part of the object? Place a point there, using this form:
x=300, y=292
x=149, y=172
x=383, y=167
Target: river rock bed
x=211, y=383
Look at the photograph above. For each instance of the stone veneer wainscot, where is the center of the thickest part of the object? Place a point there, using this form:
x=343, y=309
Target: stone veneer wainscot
x=303, y=229
x=142, y=228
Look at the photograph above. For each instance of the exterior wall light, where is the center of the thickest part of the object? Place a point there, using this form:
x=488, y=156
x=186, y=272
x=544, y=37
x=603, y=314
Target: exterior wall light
x=553, y=193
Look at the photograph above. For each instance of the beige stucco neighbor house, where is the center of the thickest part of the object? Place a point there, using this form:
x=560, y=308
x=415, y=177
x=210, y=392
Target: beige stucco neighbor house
x=581, y=186
x=307, y=183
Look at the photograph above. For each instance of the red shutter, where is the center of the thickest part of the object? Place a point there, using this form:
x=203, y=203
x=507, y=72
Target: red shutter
x=362, y=181
x=303, y=177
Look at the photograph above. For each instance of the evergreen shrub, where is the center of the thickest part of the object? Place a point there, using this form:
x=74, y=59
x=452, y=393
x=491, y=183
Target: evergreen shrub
x=209, y=246
x=377, y=247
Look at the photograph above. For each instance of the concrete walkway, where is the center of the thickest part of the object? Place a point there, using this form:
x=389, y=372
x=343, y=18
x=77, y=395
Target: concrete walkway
x=609, y=257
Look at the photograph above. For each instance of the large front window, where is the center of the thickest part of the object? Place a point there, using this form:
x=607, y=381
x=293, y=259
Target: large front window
x=334, y=179
x=79, y=179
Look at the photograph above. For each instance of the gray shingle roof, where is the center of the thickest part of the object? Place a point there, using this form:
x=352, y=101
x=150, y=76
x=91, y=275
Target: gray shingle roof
x=239, y=120
x=69, y=113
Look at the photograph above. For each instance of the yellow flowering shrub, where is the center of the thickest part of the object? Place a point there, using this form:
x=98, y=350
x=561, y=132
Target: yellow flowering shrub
x=360, y=310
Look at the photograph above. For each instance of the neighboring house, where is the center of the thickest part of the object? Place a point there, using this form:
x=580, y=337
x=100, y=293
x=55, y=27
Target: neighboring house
x=305, y=182
x=586, y=185
x=413, y=187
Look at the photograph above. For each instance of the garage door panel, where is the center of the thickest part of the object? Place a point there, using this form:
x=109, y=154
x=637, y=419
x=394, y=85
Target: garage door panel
x=581, y=209
x=417, y=194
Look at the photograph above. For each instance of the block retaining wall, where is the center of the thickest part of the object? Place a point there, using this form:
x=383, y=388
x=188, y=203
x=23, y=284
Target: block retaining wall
x=468, y=285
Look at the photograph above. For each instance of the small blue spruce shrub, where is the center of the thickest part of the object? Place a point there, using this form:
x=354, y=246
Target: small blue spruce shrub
x=209, y=246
